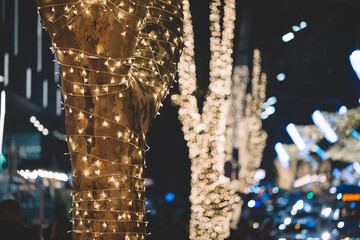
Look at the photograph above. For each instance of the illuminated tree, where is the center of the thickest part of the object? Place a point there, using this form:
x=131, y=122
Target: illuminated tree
x=240, y=80
x=211, y=196
x=117, y=61
x=244, y=129
x=251, y=138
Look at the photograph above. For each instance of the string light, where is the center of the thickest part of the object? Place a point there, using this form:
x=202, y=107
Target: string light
x=117, y=61
x=27, y=174
x=211, y=196
x=251, y=138
x=244, y=129
x=240, y=80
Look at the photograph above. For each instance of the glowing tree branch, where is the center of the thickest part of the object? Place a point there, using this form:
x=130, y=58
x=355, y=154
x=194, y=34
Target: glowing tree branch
x=205, y=133
x=244, y=131
x=117, y=61
x=251, y=138
x=240, y=80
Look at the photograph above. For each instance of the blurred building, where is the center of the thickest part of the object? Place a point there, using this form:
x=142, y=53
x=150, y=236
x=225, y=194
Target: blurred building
x=33, y=127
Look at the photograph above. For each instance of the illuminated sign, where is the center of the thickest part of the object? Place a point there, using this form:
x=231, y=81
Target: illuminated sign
x=351, y=197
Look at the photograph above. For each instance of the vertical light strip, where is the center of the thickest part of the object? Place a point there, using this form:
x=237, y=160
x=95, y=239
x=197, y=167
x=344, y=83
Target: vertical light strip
x=58, y=102
x=6, y=69
x=295, y=136
x=45, y=93
x=355, y=62
x=56, y=69
x=356, y=167
x=282, y=154
x=324, y=127
x=16, y=27
x=2, y=118
x=3, y=8
x=28, y=83
x=39, y=45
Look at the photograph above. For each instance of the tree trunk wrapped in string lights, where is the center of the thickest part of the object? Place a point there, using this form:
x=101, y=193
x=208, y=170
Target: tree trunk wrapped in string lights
x=240, y=80
x=117, y=61
x=251, y=138
x=244, y=130
x=211, y=196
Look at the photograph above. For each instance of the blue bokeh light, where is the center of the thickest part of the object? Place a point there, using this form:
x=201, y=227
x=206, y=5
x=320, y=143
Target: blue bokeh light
x=336, y=173
x=169, y=197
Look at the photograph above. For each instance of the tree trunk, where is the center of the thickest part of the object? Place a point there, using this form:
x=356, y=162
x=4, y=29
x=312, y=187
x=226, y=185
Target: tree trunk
x=117, y=61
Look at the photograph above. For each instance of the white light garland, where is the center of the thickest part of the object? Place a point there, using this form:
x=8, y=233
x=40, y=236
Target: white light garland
x=33, y=174
x=244, y=130
x=211, y=196
x=251, y=138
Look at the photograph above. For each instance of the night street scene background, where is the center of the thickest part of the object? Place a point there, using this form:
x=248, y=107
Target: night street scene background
x=307, y=185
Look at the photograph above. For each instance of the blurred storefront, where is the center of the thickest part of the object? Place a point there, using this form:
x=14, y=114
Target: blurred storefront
x=32, y=123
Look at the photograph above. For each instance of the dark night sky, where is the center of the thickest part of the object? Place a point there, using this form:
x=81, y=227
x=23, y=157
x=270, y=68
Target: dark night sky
x=319, y=75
